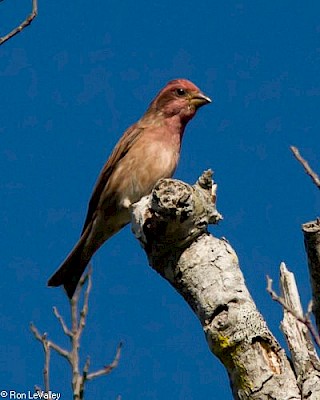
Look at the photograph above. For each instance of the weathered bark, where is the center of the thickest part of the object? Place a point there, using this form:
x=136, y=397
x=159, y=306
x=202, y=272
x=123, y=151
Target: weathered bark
x=171, y=225
x=304, y=358
x=311, y=231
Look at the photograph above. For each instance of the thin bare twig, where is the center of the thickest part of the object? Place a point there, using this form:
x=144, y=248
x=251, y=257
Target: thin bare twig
x=46, y=378
x=306, y=166
x=36, y=333
x=65, y=329
x=74, y=302
x=46, y=348
x=85, y=308
x=64, y=353
x=108, y=368
x=23, y=24
x=50, y=344
x=304, y=319
x=78, y=322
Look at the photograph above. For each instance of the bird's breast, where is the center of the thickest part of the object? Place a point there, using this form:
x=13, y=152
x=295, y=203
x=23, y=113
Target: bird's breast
x=142, y=167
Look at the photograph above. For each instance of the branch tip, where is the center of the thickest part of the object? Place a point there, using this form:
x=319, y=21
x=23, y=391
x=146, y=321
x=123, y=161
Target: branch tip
x=315, y=178
x=23, y=24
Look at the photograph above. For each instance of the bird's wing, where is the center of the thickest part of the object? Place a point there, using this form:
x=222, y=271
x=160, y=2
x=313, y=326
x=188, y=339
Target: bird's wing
x=123, y=146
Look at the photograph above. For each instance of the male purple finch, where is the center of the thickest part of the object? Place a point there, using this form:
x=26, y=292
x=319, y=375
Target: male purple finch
x=147, y=151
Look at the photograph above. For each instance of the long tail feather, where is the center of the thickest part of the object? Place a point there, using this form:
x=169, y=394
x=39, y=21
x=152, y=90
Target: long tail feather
x=69, y=273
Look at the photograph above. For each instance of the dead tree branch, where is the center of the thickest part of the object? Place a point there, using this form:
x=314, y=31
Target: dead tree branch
x=304, y=319
x=171, y=225
x=296, y=328
x=46, y=348
x=306, y=166
x=108, y=368
x=78, y=322
x=311, y=233
x=23, y=24
x=65, y=329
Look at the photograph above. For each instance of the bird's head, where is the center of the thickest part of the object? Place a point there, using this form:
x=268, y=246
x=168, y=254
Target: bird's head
x=179, y=97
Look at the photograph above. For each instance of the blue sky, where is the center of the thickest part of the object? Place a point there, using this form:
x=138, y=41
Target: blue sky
x=71, y=83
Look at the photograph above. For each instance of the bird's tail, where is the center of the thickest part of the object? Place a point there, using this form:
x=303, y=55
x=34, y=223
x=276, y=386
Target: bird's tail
x=69, y=273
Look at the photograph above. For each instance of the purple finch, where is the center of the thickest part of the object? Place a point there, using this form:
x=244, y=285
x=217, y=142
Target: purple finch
x=148, y=150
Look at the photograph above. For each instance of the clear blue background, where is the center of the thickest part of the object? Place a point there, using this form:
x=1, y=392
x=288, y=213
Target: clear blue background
x=71, y=83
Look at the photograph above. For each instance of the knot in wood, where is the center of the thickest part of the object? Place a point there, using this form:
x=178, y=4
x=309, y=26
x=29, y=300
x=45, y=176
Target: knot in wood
x=172, y=198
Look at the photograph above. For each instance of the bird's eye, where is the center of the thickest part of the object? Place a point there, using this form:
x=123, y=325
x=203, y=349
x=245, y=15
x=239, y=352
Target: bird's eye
x=180, y=92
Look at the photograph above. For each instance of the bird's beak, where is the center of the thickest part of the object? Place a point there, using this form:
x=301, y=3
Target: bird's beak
x=198, y=99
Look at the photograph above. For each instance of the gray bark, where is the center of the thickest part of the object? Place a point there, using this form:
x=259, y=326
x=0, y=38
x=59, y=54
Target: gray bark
x=304, y=357
x=171, y=224
x=311, y=232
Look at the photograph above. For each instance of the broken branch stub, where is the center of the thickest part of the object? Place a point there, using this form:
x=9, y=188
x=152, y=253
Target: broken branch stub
x=175, y=215
x=311, y=232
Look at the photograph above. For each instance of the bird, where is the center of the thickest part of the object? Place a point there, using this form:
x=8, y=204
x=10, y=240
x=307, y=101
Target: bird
x=148, y=151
